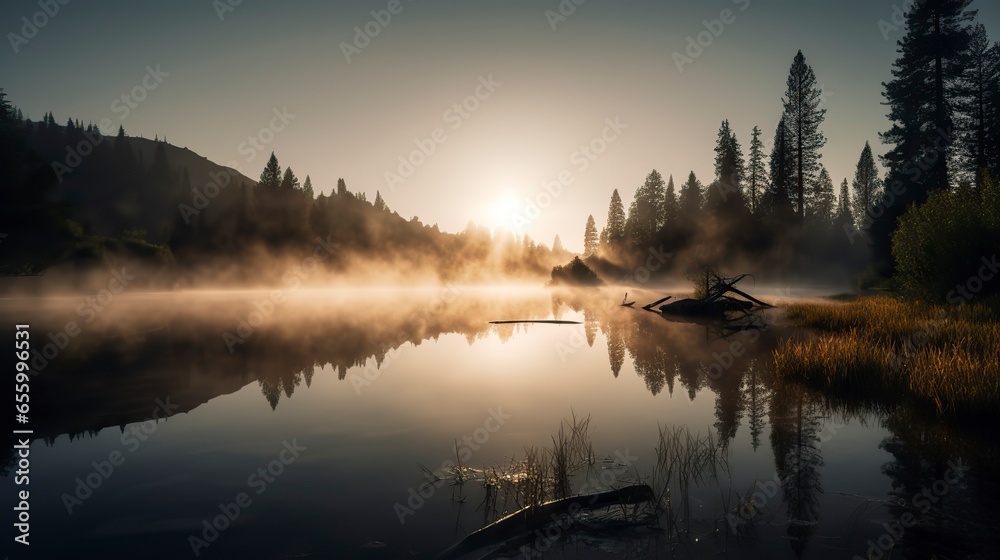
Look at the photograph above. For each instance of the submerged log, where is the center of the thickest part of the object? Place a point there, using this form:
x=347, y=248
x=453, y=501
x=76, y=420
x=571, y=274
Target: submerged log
x=529, y=519
x=717, y=302
x=655, y=303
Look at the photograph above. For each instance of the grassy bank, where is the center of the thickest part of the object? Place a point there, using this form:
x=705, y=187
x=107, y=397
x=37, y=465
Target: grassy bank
x=882, y=348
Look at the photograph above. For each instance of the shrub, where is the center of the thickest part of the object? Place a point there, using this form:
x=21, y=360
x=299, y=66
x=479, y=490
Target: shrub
x=576, y=273
x=940, y=244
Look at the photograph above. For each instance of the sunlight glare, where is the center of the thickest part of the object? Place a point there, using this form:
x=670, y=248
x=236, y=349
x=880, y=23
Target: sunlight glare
x=504, y=206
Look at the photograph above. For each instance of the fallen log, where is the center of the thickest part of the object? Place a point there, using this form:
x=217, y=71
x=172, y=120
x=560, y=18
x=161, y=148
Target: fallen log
x=530, y=519
x=716, y=303
x=542, y=321
x=655, y=303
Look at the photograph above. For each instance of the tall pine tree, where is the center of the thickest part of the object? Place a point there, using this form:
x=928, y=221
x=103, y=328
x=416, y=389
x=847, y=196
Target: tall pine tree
x=920, y=99
x=777, y=197
x=974, y=91
x=866, y=185
x=803, y=116
x=615, y=230
x=645, y=213
x=670, y=205
x=691, y=200
x=756, y=173
x=590, y=239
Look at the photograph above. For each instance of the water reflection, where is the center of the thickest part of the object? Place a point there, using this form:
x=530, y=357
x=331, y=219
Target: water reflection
x=796, y=420
x=148, y=348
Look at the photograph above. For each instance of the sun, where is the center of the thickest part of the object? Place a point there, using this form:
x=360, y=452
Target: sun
x=502, y=210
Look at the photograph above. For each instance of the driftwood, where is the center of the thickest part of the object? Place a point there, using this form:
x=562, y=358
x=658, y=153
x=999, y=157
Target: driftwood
x=655, y=303
x=626, y=302
x=530, y=519
x=536, y=321
x=717, y=302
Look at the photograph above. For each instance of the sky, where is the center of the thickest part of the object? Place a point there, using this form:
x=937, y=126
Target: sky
x=514, y=114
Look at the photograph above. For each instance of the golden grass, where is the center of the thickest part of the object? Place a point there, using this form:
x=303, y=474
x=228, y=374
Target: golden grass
x=881, y=347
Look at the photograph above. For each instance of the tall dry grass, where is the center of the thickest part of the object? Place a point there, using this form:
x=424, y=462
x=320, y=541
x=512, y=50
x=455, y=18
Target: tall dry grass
x=884, y=348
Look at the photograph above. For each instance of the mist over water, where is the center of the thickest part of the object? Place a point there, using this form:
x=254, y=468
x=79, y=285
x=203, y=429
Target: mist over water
x=197, y=390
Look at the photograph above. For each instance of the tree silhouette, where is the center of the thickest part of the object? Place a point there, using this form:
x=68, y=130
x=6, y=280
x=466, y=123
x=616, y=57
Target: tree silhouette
x=615, y=229
x=670, y=205
x=691, y=200
x=270, y=177
x=820, y=202
x=724, y=197
x=729, y=167
x=756, y=396
x=974, y=91
x=307, y=188
x=866, y=184
x=590, y=237
x=844, y=215
x=645, y=212
x=6, y=109
x=289, y=182
x=756, y=174
x=379, y=203
x=796, y=424
x=803, y=117
x=557, y=245
x=920, y=103
x=777, y=198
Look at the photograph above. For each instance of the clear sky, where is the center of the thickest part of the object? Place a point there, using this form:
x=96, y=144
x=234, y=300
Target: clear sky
x=553, y=90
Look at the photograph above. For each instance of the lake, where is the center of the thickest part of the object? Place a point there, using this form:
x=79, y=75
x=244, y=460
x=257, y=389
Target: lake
x=328, y=424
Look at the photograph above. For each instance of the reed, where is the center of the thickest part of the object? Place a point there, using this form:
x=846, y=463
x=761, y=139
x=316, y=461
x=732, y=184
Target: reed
x=883, y=348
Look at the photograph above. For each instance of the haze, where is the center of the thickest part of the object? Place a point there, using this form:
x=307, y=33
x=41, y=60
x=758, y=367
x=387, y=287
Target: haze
x=229, y=69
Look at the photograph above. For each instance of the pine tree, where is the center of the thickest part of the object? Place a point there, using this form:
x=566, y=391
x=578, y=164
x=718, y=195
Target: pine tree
x=307, y=188
x=691, y=199
x=756, y=173
x=590, y=239
x=342, y=187
x=777, y=197
x=844, y=215
x=289, y=182
x=557, y=246
x=729, y=167
x=670, y=205
x=803, y=116
x=993, y=118
x=270, y=178
x=920, y=99
x=7, y=113
x=645, y=212
x=380, y=204
x=820, y=201
x=974, y=90
x=616, y=221
x=866, y=185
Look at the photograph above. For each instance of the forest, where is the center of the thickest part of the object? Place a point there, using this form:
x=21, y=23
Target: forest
x=78, y=199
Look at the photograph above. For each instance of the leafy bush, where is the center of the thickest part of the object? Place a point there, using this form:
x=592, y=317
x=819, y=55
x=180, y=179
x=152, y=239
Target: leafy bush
x=941, y=244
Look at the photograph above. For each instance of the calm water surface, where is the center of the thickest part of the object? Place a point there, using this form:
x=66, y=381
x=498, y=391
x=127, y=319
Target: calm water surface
x=329, y=408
